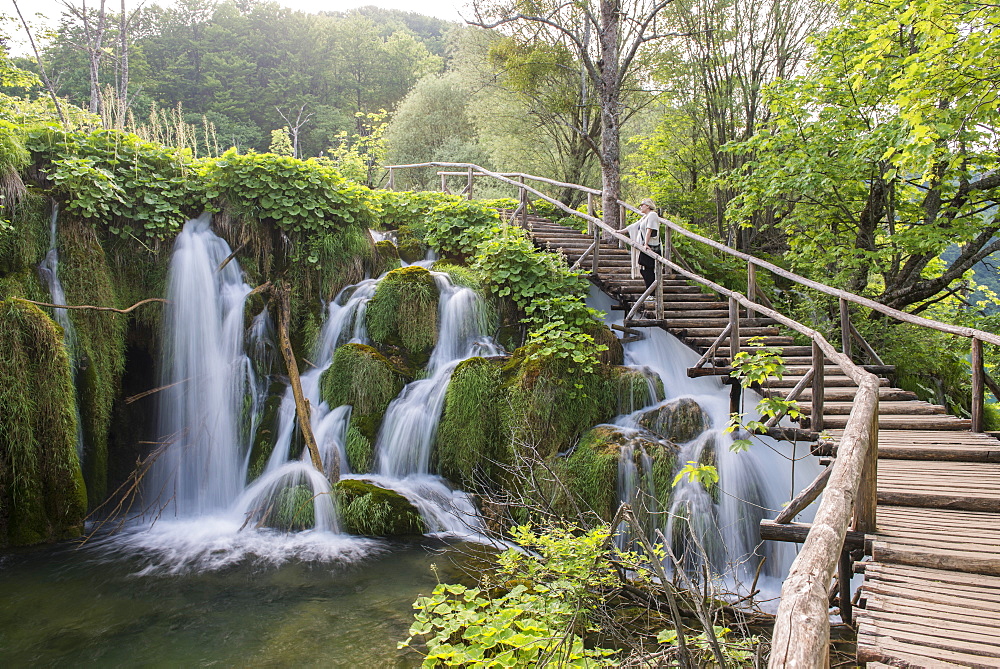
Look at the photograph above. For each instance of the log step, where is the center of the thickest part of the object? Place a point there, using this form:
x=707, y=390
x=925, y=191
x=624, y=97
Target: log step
x=911, y=408
x=905, y=422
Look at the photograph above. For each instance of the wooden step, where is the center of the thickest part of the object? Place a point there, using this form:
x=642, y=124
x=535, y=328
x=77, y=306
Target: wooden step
x=964, y=486
x=911, y=408
x=847, y=394
x=708, y=341
x=713, y=333
x=907, y=422
x=832, y=381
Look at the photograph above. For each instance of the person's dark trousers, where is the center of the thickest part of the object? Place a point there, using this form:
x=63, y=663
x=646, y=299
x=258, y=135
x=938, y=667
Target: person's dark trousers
x=647, y=268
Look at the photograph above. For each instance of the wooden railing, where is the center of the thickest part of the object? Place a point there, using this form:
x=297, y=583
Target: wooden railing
x=802, y=628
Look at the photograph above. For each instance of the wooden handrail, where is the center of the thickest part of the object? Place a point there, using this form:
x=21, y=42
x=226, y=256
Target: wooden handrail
x=791, y=276
x=802, y=627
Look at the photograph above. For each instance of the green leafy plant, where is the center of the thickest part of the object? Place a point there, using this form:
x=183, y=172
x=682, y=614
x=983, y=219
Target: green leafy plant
x=531, y=611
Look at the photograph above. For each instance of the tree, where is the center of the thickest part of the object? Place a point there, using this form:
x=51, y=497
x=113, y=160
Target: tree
x=714, y=79
x=886, y=152
x=607, y=36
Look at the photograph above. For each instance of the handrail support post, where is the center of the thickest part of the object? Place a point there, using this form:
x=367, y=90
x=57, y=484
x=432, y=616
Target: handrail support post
x=818, y=360
x=845, y=326
x=978, y=385
x=736, y=390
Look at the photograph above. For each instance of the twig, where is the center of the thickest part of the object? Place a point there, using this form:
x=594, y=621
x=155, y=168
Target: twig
x=135, y=398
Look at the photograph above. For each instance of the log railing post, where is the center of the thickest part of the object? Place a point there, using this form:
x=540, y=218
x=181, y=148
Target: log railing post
x=444, y=184
x=621, y=217
x=978, y=385
x=867, y=502
x=668, y=245
x=392, y=181
x=736, y=389
x=468, y=188
x=595, y=264
x=818, y=360
x=751, y=287
x=845, y=327
x=659, y=291
x=524, y=205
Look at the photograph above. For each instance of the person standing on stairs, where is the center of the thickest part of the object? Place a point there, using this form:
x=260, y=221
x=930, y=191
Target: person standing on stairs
x=649, y=238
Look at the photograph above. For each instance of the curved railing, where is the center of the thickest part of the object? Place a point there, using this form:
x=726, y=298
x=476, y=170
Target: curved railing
x=802, y=628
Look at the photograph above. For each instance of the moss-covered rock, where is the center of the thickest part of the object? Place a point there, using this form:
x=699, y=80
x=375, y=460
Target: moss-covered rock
x=42, y=493
x=291, y=510
x=99, y=354
x=409, y=246
x=402, y=315
x=679, y=420
x=602, y=334
x=473, y=441
x=386, y=257
x=364, y=378
x=370, y=510
x=588, y=477
x=267, y=431
x=551, y=408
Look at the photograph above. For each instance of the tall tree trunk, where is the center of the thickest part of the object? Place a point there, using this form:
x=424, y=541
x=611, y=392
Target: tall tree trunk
x=610, y=110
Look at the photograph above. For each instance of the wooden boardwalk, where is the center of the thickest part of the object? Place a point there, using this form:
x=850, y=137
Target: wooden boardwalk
x=931, y=590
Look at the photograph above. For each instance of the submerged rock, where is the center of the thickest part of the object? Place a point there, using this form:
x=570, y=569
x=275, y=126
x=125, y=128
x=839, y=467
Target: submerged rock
x=679, y=420
x=370, y=510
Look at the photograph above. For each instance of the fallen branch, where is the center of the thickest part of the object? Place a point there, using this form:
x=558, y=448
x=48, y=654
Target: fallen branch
x=92, y=308
x=147, y=393
x=283, y=295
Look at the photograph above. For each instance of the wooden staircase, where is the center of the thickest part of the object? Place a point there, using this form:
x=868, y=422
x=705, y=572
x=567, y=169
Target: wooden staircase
x=699, y=318
x=931, y=593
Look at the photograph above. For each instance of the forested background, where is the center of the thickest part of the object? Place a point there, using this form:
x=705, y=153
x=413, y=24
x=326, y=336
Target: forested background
x=852, y=143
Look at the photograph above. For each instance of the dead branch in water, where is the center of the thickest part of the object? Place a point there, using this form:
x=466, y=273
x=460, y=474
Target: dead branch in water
x=302, y=410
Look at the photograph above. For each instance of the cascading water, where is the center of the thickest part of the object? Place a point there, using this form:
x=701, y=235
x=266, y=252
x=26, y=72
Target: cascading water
x=205, y=515
x=720, y=525
x=49, y=272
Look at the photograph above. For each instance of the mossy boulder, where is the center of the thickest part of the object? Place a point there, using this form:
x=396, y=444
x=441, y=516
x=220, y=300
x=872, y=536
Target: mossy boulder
x=386, y=257
x=409, y=246
x=603, y=335
x=365, y=379
x=679, y=420
x=588, y=476
x=42, y=493
x=370, y=510
x=402, y=315
x=552, y=407
x=473, y=439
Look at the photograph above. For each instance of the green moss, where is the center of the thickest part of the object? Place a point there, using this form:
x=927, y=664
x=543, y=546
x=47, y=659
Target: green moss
x=365, y=379
x=679, y=420
x=585, y=483
x=360, y=448
x=386, y=257
x=409, y=246
x=473, y=443
x=292, y=509
x=42, y=494
x=267, y=431
x=602, y=334
x=369, y=510
x=551, y=408
x=100, y=344
x=25, y=245
x=403, y=314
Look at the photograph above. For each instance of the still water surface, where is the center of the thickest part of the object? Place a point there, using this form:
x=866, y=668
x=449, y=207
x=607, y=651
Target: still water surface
x=60, y=606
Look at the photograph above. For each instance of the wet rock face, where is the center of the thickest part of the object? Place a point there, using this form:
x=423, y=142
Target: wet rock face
x=679, y=420
x=370, y=510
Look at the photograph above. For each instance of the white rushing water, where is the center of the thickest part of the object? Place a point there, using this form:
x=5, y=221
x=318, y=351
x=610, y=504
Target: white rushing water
x=752, y=485
x=206, y=516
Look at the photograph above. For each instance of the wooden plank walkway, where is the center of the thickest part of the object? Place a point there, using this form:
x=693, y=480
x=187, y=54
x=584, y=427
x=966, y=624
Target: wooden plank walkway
x=931, y=590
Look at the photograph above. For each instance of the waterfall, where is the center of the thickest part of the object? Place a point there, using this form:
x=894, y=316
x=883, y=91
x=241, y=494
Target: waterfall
x=49, y=272
x=204, y=372
x=721, y=525
x=408, y=430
